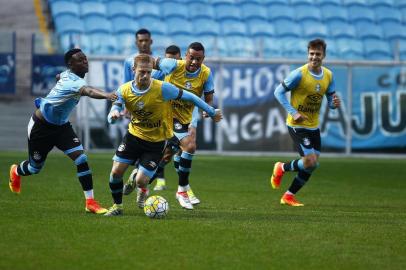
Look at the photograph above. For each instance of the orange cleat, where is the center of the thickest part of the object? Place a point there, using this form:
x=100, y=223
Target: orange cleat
x=289, y=199
x=15, y=180
x=277, y=175
x=92, y=206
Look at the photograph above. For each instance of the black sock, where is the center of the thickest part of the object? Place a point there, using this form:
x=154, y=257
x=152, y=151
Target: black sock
x=291, y=166
x=116, y=187
x=160, y=172
x=300, y=180
x=185, y=163
x=85, y=176
x=22, y=169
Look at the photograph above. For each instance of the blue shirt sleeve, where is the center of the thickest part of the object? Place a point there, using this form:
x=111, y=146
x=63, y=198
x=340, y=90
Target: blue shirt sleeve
x=195, y=117
x=280, y=94
x=167, y=65
x=208, y=86
x=118, y=105
x=330, y=92
x=128, y=72
x=293, y=79
x=169, y=91
x=158, y=75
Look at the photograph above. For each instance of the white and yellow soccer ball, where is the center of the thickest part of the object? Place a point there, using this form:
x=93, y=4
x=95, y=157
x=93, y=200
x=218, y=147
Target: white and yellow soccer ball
x=156, y=207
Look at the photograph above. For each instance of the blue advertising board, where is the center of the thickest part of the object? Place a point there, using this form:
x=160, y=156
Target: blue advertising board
x=44, y=70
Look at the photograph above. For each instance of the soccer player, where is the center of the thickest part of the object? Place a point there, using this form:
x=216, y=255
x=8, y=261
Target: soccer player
x=49, y=126
x=147, y=101
x=307, y=86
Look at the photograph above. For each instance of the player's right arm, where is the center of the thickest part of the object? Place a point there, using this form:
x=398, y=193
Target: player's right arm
x=166, y=65
x=282, y=89
x=117, y=108
x=96, y=93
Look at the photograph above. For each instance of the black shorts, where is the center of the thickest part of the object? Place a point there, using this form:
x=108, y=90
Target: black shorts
x=133, y=148
x=43, y=136
x=306, y=141
x=178, y=127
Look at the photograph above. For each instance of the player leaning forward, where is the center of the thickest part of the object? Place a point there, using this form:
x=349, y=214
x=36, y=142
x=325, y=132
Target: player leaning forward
x=307, y=86
x=147, y=100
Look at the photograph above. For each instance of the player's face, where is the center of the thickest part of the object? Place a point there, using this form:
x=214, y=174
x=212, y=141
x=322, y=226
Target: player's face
x=315, y=56
x=143, y=75
x=143, y=43
x=173, y=56
x=79, y=64
x=194, y=60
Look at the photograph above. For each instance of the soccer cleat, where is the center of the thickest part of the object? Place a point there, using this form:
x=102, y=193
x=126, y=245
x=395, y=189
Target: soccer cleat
x=15, y=180
x=141, y=197
x=115, y=210
x=131, y=184
x=183, y=200
x=289, y=199
x=160, y=184
x=277, y=175
x=92, y=206
x=192, y=197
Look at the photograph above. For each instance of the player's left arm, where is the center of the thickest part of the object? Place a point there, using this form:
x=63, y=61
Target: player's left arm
x=332, y=98
x=208, y=90
x=96, y=93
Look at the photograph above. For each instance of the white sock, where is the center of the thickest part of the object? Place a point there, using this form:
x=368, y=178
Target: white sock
x=289, y=193
x=88, y=194
x=183, y=189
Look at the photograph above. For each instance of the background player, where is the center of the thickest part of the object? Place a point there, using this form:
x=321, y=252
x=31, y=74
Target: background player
x=307, y=86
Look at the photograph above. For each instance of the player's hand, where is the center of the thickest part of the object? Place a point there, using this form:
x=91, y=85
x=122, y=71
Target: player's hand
x=298, y=118
x=112, y=96
x=114, y=115
x=336, y=101
x=218, y=116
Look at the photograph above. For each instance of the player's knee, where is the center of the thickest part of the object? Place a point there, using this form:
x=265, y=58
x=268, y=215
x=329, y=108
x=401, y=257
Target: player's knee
x=310, y=162
x=190, y=147
x=81, y=159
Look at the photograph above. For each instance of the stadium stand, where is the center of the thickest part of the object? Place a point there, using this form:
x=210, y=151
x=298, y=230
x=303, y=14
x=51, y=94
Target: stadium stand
x=222, y=22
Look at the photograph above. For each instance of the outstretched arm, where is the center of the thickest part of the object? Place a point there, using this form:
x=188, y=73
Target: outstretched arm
x=96, y=93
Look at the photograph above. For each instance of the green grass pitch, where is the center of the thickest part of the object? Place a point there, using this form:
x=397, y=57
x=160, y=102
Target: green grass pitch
x=354, y=218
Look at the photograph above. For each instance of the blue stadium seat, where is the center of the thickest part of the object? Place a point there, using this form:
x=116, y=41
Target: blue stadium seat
x=334, y=13
x=382, y=3
x=354, y=3
x=97, y=24
x=387, y=14
x=200, y=10
x=204, y=26
x=400, y=4
x=124, y=24
x=312, y=30
x=154, y=25
x=64, y=7
x=178, y=26
x=224, y=12
x=302, y=2
x=119, y=8
x=402, y=49
x=307, y=13
x=332, y=50
x=239, y=46
x=253, y=11
x=126, y=43
x=147, y=9
x=233, y=27
x=350, y=49
x=210, y=45
x=342, y=30
x=174, y=9
x=68, y=24
x=69, y=41
x=287, y=28
x=322, y=3
x=359, y=13
x=377, y=50
x=275, y=2
x=90, y=8
x=260, y=28
x=278, y=11
x=394, y=30
x=272, y=48
x=183, y=41
x=160, y=44
x=222, y=2
x=102, y=43
x=295, y=48
x=369, y=30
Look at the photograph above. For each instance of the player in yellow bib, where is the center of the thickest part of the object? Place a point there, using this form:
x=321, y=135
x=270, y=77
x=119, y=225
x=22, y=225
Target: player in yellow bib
x=147, y=100
x=307, y=86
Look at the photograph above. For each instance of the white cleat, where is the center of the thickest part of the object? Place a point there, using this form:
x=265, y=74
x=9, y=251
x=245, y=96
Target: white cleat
x=183, y=200
x=192, y=197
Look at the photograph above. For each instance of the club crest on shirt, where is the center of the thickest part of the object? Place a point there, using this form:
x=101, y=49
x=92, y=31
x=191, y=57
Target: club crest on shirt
x=318, y=87
x=188, y=85
x=76, y=140
x=140, y=105
x=121, y=147
x=306, y=141
x=36, y=155
x=152, y=164
x=178, y=126
x=315, y=97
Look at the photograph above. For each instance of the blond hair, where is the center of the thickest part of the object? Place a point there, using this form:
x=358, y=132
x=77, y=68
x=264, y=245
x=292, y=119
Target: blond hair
x=143, y=59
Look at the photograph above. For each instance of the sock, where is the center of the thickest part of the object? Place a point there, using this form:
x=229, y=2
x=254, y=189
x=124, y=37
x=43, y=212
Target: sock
x=89, y=194
x=116, y=187
x=300, y=180
x=293, y=166
x=185, y=163
x=22, y=169
x=160, y=172
x=176, y=160
x=85, y=176
x=183, y=188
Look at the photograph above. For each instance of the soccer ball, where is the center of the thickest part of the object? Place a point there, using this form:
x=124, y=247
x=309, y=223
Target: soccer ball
x=156, y=207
